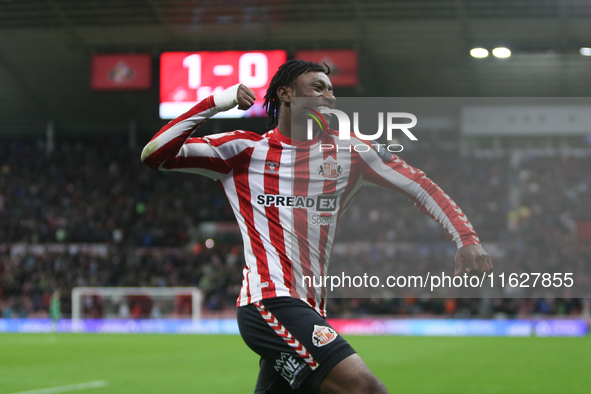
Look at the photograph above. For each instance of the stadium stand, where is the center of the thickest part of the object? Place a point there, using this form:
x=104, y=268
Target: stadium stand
x=144, y=226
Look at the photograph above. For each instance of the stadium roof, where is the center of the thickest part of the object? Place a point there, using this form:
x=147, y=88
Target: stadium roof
x=80, y=13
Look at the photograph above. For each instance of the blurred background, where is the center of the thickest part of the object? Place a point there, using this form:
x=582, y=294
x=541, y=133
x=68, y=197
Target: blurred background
x=85, y=84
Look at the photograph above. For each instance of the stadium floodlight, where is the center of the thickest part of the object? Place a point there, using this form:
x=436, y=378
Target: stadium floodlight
x=585, y=51
x=501, y=52
x=479, y=53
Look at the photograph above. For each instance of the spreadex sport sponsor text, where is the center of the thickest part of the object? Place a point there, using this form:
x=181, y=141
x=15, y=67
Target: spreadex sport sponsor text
x=319, y=220
x=323, y=203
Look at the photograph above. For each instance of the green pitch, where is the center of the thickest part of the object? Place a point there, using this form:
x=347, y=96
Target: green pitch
x=223, y=364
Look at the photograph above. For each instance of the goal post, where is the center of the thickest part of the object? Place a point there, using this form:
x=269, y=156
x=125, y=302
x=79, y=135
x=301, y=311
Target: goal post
x=113, y=300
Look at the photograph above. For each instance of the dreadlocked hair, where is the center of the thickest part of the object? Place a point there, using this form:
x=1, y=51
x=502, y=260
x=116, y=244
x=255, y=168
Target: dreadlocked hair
x=286, y=74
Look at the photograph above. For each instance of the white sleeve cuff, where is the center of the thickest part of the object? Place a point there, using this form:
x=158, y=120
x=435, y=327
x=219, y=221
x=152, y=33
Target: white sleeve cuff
x=227, y=99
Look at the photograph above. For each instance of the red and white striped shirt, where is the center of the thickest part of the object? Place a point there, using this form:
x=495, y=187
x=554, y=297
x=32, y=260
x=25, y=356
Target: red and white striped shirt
x=288, y=195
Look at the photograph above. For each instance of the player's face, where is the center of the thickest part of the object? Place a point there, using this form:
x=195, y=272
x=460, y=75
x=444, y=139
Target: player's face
x=316, y=85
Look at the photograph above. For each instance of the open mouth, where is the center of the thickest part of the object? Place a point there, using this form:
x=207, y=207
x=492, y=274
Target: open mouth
x=324, y=106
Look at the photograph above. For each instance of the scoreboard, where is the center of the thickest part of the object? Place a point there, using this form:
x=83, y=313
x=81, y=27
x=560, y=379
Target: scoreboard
x=188, y=77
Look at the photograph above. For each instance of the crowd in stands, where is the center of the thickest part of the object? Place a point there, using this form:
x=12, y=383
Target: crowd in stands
x=100, y=192
x=28, y=280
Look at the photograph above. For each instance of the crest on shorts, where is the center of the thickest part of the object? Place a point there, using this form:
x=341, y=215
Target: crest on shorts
x=323, y=335
x=271, y=167
x=330, y=169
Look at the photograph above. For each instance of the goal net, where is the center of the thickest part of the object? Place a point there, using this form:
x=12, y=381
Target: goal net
x=136, y=303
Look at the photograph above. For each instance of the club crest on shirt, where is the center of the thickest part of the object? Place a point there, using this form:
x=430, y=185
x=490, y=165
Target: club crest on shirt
x=330, y=169
x=323, y=335
x=271, y=167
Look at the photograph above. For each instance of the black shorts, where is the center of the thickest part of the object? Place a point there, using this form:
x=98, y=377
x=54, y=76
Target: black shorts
x=298, y=348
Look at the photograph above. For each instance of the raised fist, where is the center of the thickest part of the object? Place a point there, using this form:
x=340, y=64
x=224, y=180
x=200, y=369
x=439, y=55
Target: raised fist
x=245, y=97
x=235, y=95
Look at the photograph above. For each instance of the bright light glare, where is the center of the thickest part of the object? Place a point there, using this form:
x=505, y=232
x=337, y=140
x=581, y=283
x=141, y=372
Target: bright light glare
x=501, y=52
x=209, y=243
x=478, y=52
x=585, y=51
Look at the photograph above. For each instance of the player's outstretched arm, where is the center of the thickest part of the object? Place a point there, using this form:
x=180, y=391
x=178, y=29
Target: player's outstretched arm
x=169, y=141
x=238, y=95
x=394, y=173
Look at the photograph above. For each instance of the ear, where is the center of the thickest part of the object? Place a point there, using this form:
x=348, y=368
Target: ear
x=285, y=93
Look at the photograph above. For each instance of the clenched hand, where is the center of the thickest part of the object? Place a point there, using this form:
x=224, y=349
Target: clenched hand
x=245, y=97
x=474, y=259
